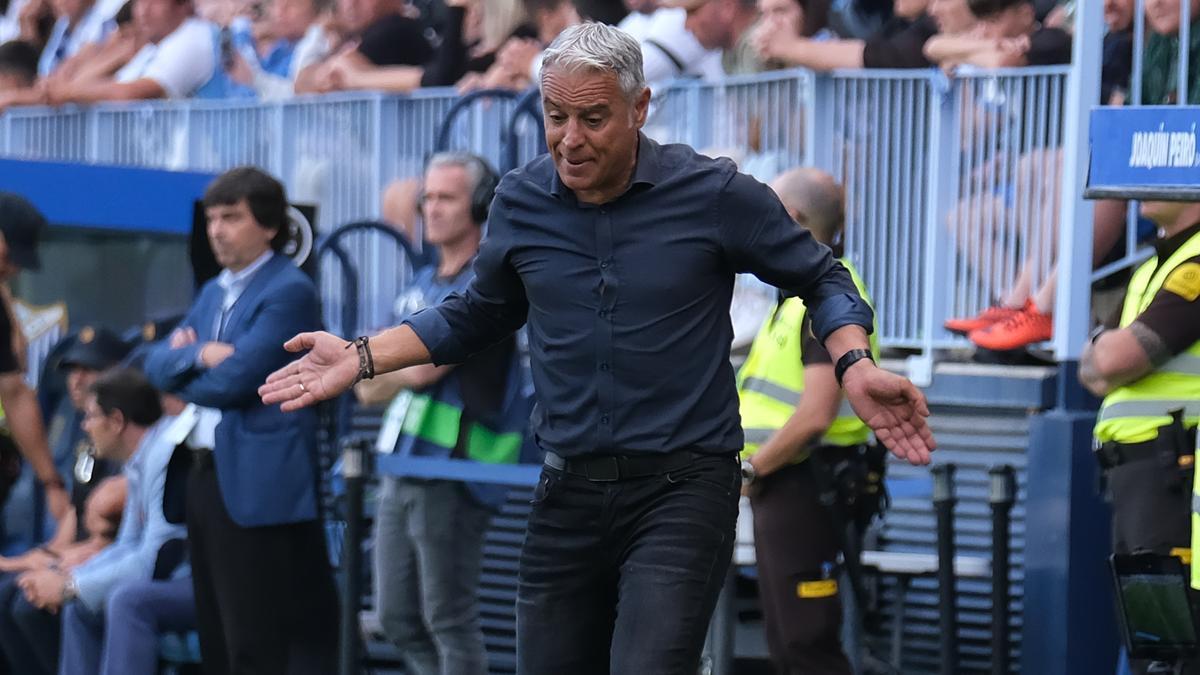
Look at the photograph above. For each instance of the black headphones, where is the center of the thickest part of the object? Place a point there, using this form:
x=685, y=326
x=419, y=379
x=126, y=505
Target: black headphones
x=485, y=188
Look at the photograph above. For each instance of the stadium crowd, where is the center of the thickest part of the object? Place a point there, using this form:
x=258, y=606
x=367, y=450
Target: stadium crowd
x=113, y=577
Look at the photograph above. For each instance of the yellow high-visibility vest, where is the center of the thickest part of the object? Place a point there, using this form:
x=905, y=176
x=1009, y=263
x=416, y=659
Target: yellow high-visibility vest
x=771, y=380
x=1133, y=413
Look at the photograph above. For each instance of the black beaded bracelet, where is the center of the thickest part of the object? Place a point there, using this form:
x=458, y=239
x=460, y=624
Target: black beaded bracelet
x=848, y=359
x=366, y=362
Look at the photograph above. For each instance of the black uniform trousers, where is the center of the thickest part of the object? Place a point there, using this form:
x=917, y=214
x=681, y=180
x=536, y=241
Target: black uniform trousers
x=796, y=548
x=1152, y=505
x=265, y=597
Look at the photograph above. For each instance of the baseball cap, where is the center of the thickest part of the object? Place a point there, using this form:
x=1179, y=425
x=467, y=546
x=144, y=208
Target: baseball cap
x=22, y=225
x=95, y=347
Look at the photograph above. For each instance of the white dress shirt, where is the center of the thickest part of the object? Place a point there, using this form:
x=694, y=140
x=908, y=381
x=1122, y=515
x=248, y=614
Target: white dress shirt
x=204, y=433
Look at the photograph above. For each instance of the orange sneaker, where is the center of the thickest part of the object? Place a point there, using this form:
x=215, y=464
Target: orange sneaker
x=1025, y=327
x=985, y=319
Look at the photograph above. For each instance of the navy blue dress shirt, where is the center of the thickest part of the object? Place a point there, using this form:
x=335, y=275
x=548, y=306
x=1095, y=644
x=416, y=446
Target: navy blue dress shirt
x=628, y=302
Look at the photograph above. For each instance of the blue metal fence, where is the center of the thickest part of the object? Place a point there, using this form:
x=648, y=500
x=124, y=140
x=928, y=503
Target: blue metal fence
x=952, y=184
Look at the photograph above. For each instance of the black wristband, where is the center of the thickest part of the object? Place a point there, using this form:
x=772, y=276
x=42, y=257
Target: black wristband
x=366, y=360
x=848, y=359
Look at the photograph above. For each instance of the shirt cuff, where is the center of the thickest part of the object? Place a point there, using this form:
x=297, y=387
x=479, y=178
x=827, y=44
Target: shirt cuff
x=841, y=310
x=434, y=331
x=89, y=589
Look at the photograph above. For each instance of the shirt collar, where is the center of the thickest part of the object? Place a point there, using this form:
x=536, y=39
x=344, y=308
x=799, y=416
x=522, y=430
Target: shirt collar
x=133, y=465
x=645, y=171
x=236, y=281
x=1165, y=248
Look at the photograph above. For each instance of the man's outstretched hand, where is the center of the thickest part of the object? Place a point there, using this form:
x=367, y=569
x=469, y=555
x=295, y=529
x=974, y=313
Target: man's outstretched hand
x=894, y=408
x=328, y=369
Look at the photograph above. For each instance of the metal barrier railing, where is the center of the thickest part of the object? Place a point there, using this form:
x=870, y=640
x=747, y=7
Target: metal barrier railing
x=952, y=184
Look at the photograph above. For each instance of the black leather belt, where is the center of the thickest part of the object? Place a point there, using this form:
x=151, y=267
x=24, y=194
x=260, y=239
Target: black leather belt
x=1112, y=454
x=607, y=468
x=201, y=456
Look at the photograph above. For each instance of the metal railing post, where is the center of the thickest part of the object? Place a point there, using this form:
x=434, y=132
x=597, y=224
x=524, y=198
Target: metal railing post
x=942, y=166
x=1072, y=304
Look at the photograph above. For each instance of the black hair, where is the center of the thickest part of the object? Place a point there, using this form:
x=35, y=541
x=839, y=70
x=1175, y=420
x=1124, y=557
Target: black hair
x=128, y=391
x=20, y=59
x=263, y=194
x=124, y=15
x=984, y=9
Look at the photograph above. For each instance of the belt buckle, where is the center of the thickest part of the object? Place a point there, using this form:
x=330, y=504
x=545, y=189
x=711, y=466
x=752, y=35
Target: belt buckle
x=603, y=469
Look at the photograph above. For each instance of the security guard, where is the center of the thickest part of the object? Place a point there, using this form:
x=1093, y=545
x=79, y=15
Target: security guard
x=805, y=459
x=1147, y=368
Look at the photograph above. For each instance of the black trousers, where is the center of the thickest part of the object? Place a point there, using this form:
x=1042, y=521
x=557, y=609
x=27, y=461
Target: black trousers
x=265, y=597
x=796, y=548
x=621, y=577
x=1152, y=505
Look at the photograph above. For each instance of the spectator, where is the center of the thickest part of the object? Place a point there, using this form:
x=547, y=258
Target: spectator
x=30, y=636
x=21, y=225
x=299, y=40
x=427, y=576
x=101, y=61
x=18, y=72
x=265, y=600
x=518, y=60
x=177, y=59
x=470, y=47
x=1007, y=36
x=126, y=424
x=897, y=44
x=717, y=26
x=378, y=35
x=1117, y=60
x=641, y=15
x=78, y=23
x=1160, y=64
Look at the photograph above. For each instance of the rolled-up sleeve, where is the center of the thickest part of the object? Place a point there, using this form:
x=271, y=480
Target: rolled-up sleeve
x=761, y=238
x=493, y=307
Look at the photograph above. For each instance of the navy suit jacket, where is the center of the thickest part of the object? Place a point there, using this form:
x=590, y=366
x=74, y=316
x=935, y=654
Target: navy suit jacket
x=265, y=459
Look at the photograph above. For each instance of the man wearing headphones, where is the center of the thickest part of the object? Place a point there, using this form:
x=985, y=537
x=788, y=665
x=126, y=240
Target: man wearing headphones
x=429, y=533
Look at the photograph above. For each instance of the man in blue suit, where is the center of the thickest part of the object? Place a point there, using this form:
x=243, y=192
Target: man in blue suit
x=265, y=600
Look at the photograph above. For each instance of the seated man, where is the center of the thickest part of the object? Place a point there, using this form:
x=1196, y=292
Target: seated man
x=1160, y=82
x=1007, y=36
x=125, y=422
x=77, y=23
x=29, y=637
x=18, y=72
x=380, y=37
x=897, y=44
x=178, y=58
x=298, y=39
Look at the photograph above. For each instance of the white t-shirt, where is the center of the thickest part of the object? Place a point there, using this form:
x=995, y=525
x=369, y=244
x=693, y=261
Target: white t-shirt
x=180, y=63
x=637, y=24
x=667, y=32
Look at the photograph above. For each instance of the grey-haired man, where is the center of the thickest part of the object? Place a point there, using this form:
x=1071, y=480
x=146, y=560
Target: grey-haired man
x=620, y=255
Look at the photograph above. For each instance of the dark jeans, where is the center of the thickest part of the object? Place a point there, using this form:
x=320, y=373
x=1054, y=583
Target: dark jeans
x=29, y=636
x=265, y=599
x=622, y=576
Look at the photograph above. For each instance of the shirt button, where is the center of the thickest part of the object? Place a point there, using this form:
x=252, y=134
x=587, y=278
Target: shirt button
x=602, y=313
x=603, y=264
x=604, y=419
x=604, y=367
